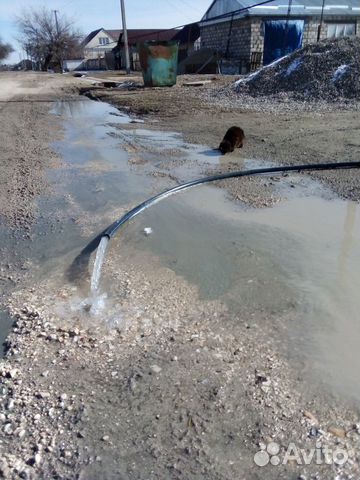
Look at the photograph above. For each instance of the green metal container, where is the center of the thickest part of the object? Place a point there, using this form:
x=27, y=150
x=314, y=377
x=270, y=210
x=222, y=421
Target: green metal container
x=158, y=62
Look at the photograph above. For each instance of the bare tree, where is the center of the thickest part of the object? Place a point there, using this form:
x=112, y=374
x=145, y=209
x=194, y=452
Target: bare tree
x=5, y=50
x=47, y=37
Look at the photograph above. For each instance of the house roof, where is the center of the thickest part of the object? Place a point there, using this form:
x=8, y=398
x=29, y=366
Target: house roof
x=142, y=35
x=189, y=33
x=299, y=8
x=91, y=35
x=114, y=34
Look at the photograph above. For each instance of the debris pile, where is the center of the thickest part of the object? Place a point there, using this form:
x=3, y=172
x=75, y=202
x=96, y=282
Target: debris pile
x=328, y=70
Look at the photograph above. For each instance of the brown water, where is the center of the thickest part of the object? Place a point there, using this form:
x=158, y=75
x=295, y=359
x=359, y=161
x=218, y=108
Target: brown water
x=302, y=255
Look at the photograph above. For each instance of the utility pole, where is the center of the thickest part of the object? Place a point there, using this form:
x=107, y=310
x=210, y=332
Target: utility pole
x=286, y=33
x=321, y=21
x=126, y=44
x=58, y=41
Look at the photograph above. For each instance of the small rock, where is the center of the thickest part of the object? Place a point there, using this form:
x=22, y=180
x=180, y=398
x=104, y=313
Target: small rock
x=155, y=368
x=43, y=394
x=105, y=438
x=37, y=459
x=314, y=432
x=265, y=387
x=311, y=417
x=338, y=432
x=63, y=397
x=8, y=429
x=4, y=470
x=260, y=378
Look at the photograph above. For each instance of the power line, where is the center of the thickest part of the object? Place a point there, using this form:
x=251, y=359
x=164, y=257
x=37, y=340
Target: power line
x=218, y=17
x=189, y=5
x=177, y=8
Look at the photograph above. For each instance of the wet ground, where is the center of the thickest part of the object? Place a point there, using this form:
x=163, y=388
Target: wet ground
x=302, y=254
x=217, y=291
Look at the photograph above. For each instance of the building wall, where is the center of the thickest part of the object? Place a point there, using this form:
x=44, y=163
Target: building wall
x=238, y=46
x=215, y=36
x=247, y=39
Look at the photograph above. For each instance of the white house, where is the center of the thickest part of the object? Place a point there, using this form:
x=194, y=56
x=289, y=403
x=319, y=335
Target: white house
x=97, y=47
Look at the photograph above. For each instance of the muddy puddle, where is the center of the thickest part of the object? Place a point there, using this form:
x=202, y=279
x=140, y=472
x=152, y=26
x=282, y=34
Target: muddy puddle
x=300, y=257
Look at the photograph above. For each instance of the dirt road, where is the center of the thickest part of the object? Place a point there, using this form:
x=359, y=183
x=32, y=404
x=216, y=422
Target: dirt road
x=171, y=380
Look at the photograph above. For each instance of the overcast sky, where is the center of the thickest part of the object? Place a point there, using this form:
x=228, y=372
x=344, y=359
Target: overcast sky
x=92, y=14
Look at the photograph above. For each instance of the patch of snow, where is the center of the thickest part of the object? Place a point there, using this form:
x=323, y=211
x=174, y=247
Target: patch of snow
x=339, y=72
x=293, y=66
x=255, y=74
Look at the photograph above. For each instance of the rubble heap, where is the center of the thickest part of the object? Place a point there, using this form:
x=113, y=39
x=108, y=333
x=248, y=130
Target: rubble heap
x=328, y=70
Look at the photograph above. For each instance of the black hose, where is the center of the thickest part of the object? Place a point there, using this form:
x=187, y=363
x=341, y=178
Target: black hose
x=112, y=229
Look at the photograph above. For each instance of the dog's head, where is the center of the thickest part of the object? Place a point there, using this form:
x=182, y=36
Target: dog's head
x=225, y=147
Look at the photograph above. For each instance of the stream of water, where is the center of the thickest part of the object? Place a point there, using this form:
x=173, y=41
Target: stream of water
x=99, y=260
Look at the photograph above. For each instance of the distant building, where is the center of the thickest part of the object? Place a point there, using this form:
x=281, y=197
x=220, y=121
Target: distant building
x=98, y=47
x=245, y=38
x=25, y=64
x=104, y=49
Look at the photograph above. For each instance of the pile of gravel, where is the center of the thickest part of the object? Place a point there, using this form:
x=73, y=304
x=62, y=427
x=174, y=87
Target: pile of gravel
x=328, y=70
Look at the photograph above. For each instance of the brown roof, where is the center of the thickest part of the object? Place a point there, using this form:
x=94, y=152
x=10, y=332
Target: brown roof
x=115, y=34
x=135, y=36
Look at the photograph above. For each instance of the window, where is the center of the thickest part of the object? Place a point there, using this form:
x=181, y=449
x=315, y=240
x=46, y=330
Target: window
x=335, y=30
x=103, y=41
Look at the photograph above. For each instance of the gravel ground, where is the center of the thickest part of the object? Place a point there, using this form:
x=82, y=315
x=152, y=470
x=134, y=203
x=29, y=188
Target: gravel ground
x=328, y=71
x=157, y=393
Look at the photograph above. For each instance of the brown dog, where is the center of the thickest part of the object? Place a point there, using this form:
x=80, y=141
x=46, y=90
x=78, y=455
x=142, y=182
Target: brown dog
x=234, y=138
